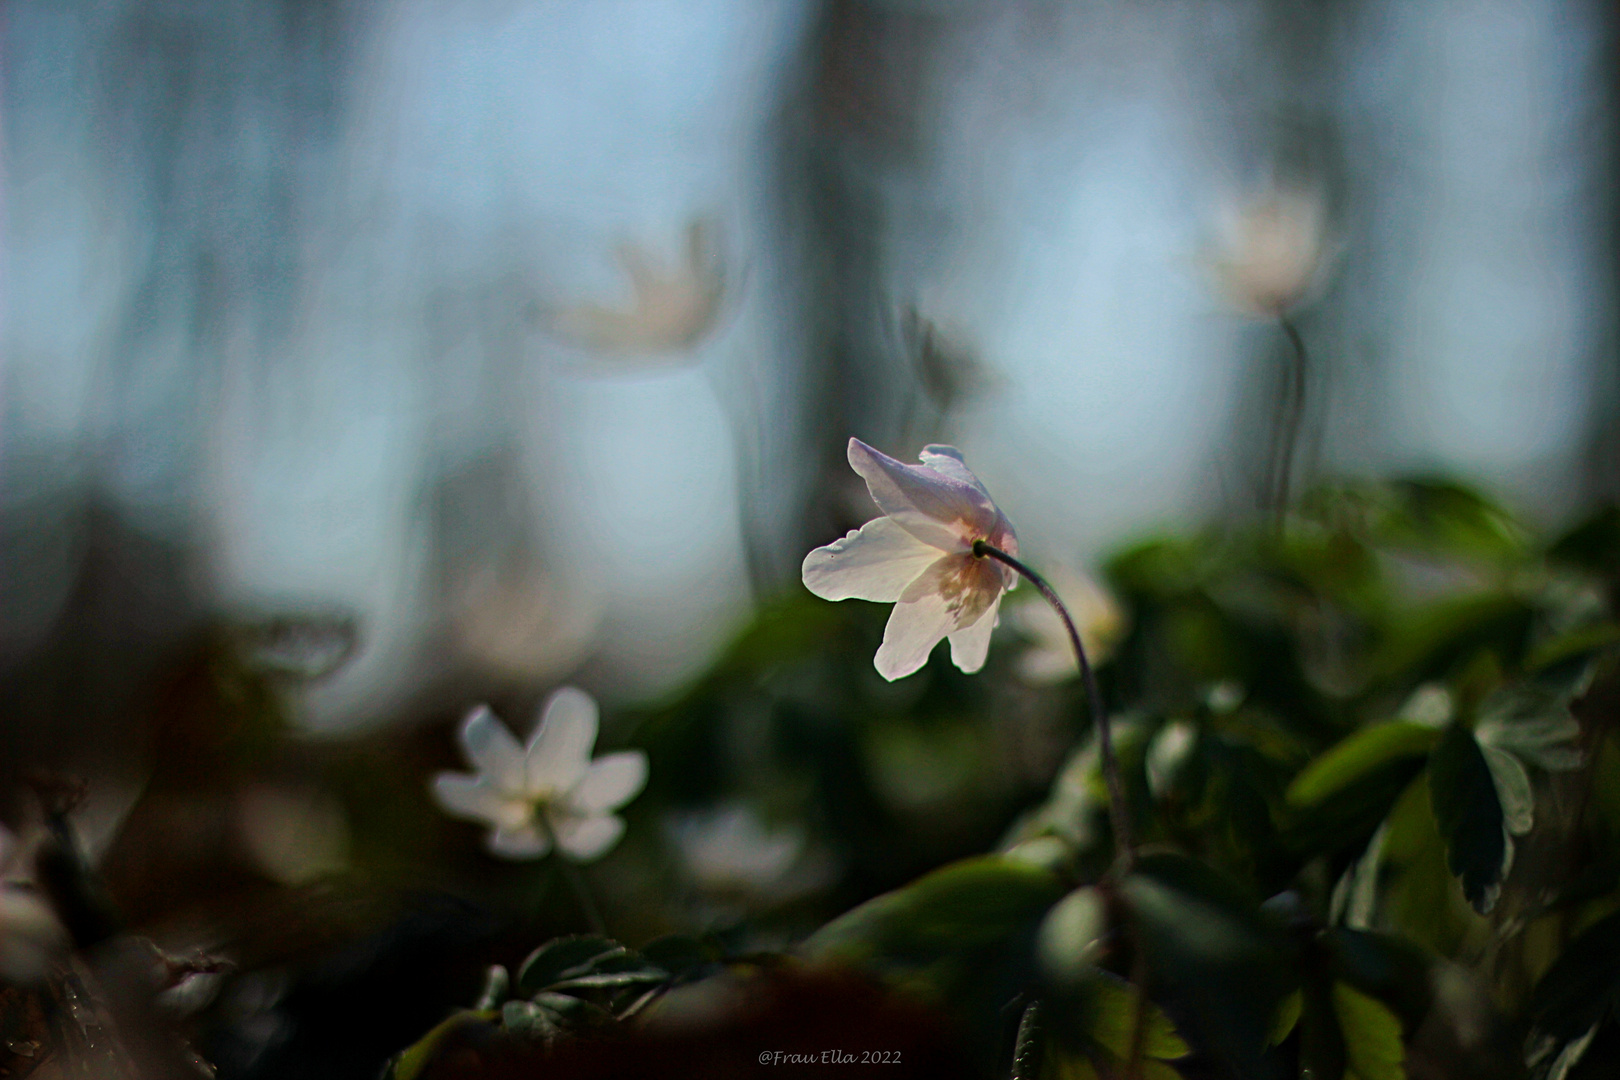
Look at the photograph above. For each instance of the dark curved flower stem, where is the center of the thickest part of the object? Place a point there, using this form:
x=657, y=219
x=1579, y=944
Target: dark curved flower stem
x=1293, y=415
x=576, y=880
x=1118, y=815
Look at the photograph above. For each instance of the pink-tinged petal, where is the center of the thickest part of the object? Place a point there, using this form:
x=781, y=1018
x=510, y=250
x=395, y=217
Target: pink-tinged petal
x=587, y=838
x=474, y=798
x=492, y=749
x=967, y=584
x=971, y=644
x=560, y=749
x=610, y=782
x=522, y=842
x=938, y=510
x=875, y=562
x=948, y=461
x=914, y=628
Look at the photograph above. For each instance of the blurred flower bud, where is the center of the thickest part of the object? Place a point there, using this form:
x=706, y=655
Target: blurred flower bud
x=1270, y=251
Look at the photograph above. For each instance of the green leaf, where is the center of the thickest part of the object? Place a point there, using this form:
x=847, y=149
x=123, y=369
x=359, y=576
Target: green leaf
x=964, y=906
x=1114, y=1007
x=683, y=957
x=1393, y=969
x=1201, y=937
x=1358, y=755
x=1579, y=988
x=1593, y=545
x=1469, y=814
x=566, y=958
x=1372, y=1036
x=459, y=1028
x=1070, y=939
x=1287, y=1016
x=1532, y=723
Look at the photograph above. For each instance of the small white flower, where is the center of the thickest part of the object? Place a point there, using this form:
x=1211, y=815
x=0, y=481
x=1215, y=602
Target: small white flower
x=672, y=311
x=1270, y=250
x=549, y=788
x=919, y=557
x=730, y=851
x=1097, y=615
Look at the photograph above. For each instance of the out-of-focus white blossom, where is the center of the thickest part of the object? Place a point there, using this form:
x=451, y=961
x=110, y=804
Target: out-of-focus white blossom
x=729, y=852
x=549, y=788
x=671, y=311
x=1097, y=615
x=1270, y=251
x=1167, y=754
x=919, y=557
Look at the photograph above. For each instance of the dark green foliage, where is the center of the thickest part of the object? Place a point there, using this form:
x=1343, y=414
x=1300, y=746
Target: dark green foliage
x=1469, y=815
x=1388, y=717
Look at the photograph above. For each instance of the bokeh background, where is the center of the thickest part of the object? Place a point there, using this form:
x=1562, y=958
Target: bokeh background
x=432, y=352
x=299, y=297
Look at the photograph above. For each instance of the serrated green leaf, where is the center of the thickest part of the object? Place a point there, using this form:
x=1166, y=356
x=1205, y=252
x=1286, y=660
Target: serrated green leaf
x=1358, y=755
x=1372, y=1036
x=1114, y=1006
x=1469, y=814
x=1531, y=723
x=960, y=907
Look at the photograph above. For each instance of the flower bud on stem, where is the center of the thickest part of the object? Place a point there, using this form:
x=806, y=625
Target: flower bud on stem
x=1118, y=815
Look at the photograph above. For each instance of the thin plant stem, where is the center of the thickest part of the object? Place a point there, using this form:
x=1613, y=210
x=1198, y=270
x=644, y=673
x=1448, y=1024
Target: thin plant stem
x=1293, y=415
x=576, y=880
x=1118, y=815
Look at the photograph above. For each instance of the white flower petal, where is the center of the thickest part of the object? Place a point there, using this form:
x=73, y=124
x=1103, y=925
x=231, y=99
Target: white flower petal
x=970, y=585
x=971, y=644
x=522, y=842
x=610, y=782
x=914, y=628
x=933, y=507
x=952, y=594
x=586, y=838
x=492, y=749
x=474, y=798
x=560, y=749
x=948, y=460
x=875, y=562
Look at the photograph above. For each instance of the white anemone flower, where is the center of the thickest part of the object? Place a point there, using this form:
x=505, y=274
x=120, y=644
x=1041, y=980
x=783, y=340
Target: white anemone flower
x=1271, y=251
x=549, y=789
x=919, y=557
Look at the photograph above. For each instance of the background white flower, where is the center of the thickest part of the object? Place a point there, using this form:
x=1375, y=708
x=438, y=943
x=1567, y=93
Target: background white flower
x=1271, y=251
x=919, y=557
x=1097, y=615
x=549, y=788
x=730, y=850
